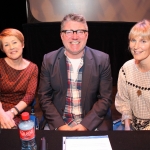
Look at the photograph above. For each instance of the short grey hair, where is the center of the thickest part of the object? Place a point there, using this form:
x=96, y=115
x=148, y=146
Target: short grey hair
x=73, y=17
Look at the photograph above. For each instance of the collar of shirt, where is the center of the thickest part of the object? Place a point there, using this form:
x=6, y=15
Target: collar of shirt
x=68, y=57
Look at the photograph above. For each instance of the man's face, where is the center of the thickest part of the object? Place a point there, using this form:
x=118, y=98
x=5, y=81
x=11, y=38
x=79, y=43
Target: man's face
x=74, y=43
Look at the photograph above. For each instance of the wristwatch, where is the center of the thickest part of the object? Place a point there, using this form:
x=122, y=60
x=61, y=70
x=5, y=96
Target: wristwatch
x=11, y=110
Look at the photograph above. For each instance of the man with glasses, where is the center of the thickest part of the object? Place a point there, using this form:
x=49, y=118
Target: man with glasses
x=75, y=82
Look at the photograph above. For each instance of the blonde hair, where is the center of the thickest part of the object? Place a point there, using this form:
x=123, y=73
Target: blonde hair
x=142, y=29
x=11, y=32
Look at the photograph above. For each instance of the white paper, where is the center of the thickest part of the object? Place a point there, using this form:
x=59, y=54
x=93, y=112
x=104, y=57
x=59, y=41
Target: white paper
x=86, y=143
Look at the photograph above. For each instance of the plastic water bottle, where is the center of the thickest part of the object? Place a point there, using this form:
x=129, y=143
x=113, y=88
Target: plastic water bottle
x=27, y=133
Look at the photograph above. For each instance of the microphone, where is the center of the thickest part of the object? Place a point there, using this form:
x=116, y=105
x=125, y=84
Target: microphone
x=43, y=143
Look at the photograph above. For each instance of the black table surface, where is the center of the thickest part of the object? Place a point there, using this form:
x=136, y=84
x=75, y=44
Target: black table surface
x=120, y=140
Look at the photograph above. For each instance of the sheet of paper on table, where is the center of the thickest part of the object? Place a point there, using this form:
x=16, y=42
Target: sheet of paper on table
x=86, y=143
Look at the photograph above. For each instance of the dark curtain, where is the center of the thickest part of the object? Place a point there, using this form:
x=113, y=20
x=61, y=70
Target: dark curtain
x=109, y=37
x=13, y=15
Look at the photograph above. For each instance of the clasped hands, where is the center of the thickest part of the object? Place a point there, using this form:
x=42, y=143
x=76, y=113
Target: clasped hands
x=6, y=120
x=78, y=127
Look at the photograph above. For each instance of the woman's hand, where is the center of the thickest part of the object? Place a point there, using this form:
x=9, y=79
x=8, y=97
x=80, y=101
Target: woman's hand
x=127, y=123
x=6, y=119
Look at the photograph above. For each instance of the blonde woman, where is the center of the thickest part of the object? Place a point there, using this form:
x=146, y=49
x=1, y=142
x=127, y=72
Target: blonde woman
x=133, y=97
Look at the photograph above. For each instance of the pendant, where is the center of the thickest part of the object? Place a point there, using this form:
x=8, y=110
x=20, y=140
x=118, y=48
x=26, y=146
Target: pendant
x=139, y=92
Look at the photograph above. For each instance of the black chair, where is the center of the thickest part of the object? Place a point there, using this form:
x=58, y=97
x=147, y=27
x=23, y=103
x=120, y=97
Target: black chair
x=32, y=114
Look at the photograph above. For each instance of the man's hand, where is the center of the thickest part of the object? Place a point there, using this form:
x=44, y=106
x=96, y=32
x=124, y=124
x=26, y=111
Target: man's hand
x=64, y=128
x=79, y=127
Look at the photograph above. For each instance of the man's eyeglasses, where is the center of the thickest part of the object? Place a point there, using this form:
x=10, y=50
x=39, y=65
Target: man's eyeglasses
x=70, y=33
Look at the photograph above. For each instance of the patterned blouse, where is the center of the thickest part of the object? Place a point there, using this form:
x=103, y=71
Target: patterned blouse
x=17, y=85
x=133, y=95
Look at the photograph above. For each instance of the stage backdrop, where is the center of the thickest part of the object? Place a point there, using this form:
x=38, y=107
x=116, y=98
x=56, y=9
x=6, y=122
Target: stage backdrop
x=93, y=10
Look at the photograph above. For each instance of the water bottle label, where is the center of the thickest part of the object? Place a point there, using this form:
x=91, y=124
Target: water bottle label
x=27, y=134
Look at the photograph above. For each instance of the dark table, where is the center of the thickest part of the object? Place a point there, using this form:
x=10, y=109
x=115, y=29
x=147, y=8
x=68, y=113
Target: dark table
x=120, y=140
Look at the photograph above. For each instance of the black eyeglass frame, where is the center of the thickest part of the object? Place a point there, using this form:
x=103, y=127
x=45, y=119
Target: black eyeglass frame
x=76, y=31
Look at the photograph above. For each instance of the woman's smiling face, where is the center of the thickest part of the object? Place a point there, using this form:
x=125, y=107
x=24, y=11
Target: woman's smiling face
x=12, y=47
x=140, y=48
